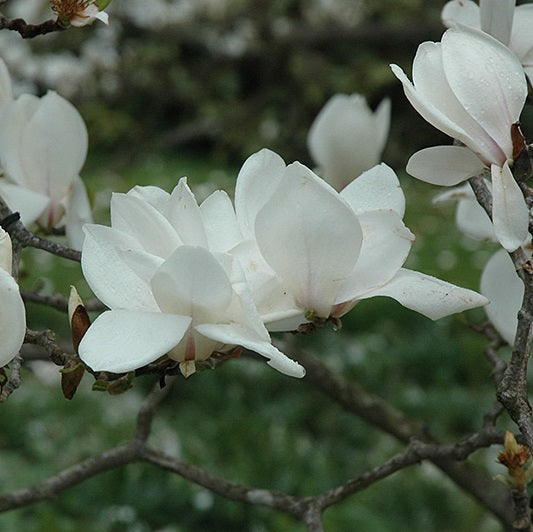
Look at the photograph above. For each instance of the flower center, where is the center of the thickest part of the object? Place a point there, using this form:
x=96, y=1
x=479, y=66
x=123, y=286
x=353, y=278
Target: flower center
x=69, y=8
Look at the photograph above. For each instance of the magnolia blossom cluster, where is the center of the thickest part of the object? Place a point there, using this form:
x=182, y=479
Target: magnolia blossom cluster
x=189, y=281
x=472, y=87
x=43, y=145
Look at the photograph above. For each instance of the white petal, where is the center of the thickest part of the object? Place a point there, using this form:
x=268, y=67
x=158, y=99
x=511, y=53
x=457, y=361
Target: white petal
x=431, y=96
x=144, y=223
x=345, y=139
x=106, y=269
x=12, y=318
x=14, y=118
x=497, y=18
x=472, y=219
x=193, y=283
x=54, y=147
x=501, y=284
x=185, y=215
x=28, y=203
x=510, y=214
x=235, y=335
x=257, y=180
x=465, y=12
x=386, y=244
x=382, y=123
x=155, y=196
x=428, y=295
x=6, y=93
x=521, y=43
x=377, y=188
x=220, y=222
x=78, y=213
x=310, y=237
x=444, y=165
x=495, y=90
x=6, y=251
x=124, y=340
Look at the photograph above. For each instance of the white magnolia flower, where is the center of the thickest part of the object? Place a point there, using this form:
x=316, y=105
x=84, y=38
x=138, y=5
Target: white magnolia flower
x=168, y=294
x=500, y=18
x=12, y=314
x=347, y=138
x=457, y=87
x=331, y=250
x=43, y=144
x=80, y=12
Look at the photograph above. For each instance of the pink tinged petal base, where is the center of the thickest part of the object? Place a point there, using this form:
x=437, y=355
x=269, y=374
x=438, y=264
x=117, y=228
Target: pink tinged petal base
x=510, y=214
x=375, y=189
x=444, y=165
x=428, y=295
x=310, y=237
x=501, y=284
x=237, y=335
x=12, y=318
x=124, y=340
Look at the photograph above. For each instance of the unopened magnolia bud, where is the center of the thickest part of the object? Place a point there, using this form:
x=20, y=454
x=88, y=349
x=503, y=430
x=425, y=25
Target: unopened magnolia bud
x=187, y=368
x=78, y=317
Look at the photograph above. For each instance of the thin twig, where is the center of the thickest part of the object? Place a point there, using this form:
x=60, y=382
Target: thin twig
x=59, y=301
x=14, y=379
x=19, y=234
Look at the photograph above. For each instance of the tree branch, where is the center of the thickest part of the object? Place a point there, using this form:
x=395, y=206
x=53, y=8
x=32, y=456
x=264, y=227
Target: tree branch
x=29, y=31
x=512, y=390
x=356, y=400
x=26, y=238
